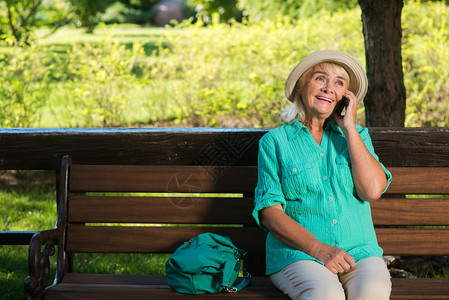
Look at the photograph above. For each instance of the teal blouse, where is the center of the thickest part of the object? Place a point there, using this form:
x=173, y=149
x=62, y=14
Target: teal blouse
x=314, y=185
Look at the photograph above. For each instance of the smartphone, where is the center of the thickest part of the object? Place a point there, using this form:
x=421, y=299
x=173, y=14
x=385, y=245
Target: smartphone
x=342, y=104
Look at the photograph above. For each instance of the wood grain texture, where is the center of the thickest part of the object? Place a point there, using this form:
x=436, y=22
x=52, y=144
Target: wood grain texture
x=142, y=239
x=168, y=210
x=110, y=286
x=414, y=241
x=163, y=179
x=43, y=149
x=411, y=211
x=204, y=210
x=419, y=180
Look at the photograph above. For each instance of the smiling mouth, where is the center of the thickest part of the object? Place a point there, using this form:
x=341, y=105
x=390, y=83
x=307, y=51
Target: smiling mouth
x=324, y=99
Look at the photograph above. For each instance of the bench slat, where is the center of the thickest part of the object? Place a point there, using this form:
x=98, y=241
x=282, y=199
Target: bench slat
x=414, y=180
x=163, y=179
x=215, y=179
x=138, y=239
x=420, y=288
x=202, y=210
x=414, y=241
x=171, y=210
x=260, y=288
x=117, y=239
x=43, y=148
x=106, y=286
x=410, y=211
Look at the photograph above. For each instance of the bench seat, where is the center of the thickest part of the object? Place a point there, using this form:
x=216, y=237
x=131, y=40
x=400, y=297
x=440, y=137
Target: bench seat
x=106, y=286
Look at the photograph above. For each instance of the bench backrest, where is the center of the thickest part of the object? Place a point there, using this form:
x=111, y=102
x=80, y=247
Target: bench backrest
x=155, y=208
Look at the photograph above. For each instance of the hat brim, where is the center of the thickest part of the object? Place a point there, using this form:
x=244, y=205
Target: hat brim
x=358, y=82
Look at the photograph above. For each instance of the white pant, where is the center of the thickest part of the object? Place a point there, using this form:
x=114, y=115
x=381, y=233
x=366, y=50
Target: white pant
x=307, y=279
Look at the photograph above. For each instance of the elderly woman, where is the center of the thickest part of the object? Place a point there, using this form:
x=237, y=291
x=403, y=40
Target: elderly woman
x=317, y=174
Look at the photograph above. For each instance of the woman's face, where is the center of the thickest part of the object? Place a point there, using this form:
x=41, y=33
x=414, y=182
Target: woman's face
x=323, y=88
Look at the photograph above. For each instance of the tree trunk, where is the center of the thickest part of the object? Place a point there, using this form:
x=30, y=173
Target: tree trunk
x=385, y=99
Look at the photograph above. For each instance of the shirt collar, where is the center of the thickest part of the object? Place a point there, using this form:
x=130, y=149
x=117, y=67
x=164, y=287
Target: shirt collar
x=335, y=127
x=294, y=127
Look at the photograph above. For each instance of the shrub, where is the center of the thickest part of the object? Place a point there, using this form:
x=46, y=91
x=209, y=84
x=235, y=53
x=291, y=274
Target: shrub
x=219, y=75
x=24, y=77
x=295, y=9
x=234, y=75
x=425, y=61
x=97, y=81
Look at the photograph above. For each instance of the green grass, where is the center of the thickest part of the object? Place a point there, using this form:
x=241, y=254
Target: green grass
x=126, y=33
x=35, y=209
x=22, y=209
x=14, y=267
x=27, y=209
x=13, y=271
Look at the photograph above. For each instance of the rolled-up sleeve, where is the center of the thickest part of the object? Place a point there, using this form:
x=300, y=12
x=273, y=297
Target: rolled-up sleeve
x=369, y=145
x=268, y=191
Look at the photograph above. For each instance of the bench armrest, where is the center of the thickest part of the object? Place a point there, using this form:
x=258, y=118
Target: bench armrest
x=39, y=262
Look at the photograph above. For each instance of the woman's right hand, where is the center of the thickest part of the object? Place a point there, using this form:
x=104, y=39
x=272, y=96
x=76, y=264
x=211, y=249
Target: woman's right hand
x=296, y=236
x=336, y=260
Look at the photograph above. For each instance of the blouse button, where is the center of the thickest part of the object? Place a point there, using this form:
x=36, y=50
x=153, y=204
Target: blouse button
x=294, y=170
x=321, y=154
x=331, y=199
x=334, y=221
x=324, y=177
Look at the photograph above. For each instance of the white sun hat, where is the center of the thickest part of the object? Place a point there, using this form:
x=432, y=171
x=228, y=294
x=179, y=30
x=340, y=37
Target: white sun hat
x=358, y=82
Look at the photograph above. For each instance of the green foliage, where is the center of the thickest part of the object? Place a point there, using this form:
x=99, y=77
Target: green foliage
x=88, y=12
x=234, y=75
x=258, y=10
x=425, y=55
x=295, y=9
x=119, y=12
x=25, y=75
x=97, y=79
x=218, y=75
x=19, y=19
x=205, y=10
x=143, y=4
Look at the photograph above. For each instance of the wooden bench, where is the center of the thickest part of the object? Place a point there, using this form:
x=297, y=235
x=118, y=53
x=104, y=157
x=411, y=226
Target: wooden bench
x=209, y=179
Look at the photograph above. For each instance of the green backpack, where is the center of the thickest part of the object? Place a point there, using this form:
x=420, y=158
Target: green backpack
x=208, y=263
